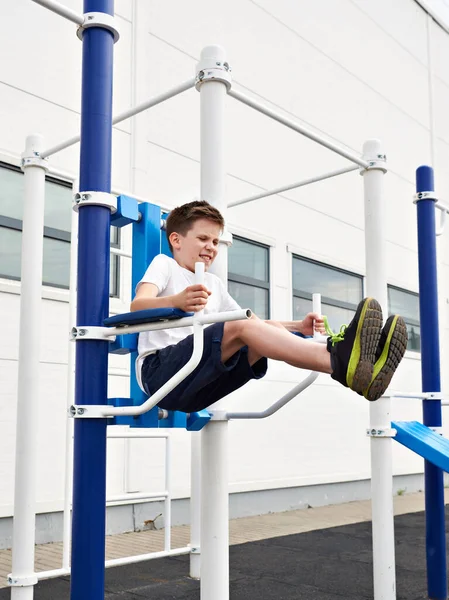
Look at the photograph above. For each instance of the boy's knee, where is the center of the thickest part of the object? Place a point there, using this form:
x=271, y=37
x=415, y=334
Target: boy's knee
x=234, y=330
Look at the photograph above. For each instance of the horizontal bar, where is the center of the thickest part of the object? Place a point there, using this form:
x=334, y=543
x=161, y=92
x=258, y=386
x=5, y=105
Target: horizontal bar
x=234, y=315
x=137, y=496
x=277, y=405
x=127, y=114
x=52, y=574
x=62, y=11
x=127, y=560
x=415, y=396
x=293, y=186
x=296, y=127
x=120, y=252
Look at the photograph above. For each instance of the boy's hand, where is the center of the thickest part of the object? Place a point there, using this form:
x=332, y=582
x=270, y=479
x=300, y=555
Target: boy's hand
x=192, y=299
x=311, y=319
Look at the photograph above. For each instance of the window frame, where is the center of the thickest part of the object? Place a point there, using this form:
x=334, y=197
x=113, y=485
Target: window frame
x=55, y=234
x=416, y=323
x=325, y=299
x=251, y=281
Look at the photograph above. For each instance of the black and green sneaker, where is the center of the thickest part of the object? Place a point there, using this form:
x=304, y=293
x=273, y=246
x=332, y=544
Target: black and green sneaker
x=391, y=349
x=353, y=349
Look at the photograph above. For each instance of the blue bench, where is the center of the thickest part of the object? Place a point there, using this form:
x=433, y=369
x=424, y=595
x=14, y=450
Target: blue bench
x=423, y=441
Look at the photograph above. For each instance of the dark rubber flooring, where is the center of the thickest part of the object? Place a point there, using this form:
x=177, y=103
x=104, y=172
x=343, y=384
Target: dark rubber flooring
x=327, y=564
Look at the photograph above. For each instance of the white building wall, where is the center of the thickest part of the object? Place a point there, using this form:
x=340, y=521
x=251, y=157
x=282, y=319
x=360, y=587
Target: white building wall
x=353, y=70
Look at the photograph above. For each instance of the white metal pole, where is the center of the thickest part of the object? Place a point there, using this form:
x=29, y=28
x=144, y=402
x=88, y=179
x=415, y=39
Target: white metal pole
x=294, y=186
x=265, y=110
x=214, y=73
x=67, y=520
x=186, y=85
x=380, y=419
x=62, y=11
x=195, y=504
x=23, y=577
x=168, y=498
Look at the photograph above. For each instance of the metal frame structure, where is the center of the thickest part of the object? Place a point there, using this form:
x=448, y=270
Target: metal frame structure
x=213, y=81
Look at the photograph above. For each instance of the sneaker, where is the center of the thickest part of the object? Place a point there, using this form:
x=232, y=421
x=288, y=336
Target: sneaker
x=353, y=349
x=391, y=349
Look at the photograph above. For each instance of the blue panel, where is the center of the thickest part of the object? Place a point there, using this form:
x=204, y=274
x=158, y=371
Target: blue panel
x=430, y=373
x=149, y=315
x=89, y=468
x=124, y=344
x=148, y=419
x=127, y=211
x=146, y=245
x=423, y=441
x=197, y=420
x=146, y=240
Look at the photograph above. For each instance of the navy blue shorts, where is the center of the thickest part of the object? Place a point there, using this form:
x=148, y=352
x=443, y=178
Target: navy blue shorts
x=210, y=381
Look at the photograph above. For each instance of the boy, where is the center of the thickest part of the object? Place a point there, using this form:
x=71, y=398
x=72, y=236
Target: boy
x=363, y=357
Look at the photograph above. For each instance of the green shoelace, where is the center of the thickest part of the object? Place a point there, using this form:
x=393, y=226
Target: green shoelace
x=335, y=337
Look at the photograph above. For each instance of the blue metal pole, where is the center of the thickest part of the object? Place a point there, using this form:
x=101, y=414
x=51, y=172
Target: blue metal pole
x=89, y=477
x=430, y=373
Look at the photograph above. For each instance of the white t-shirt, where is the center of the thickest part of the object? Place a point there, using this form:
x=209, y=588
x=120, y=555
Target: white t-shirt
x=170, y=279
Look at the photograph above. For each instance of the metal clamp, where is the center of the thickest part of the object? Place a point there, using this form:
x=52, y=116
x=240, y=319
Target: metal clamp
x=424, y=196
x=22, y=580
x=98, y=19
x=381, y=432
x=90, y=411
x=379, y=161
x=95, y=199
x=88, y=332
x=34, y=161
x=217, y=71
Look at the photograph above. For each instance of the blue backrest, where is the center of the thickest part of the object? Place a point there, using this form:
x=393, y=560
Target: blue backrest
x=149, y=240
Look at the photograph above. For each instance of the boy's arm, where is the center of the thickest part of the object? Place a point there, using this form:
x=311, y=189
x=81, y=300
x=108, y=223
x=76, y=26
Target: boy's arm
x=146, y=298
x=312, y=322
x=192, y=299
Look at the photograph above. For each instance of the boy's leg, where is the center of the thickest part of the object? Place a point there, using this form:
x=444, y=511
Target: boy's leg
x=273, y=342
x=348, y=358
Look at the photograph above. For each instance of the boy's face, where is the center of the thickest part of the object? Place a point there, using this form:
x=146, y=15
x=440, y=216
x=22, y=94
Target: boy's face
x=200, y=244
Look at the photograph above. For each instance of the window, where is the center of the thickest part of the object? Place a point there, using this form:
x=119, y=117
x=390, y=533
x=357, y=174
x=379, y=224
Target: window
x=57, y=225
x=340, y=291
x=249, y=276
x=406, y=304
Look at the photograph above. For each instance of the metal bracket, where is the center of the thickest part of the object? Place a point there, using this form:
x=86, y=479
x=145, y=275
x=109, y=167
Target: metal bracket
x=22, y=580
x=424, y=196
x=90, y=411
x=98, y=19
x=379, y=161
x=95, y=199
x=88, y=332
x=432, y=396
x=34, y=161
x=214, y=70
x=381, y=432
x=194, y=549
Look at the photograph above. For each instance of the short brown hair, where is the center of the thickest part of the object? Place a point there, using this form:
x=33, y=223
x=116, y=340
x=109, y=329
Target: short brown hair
x=182, y=218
